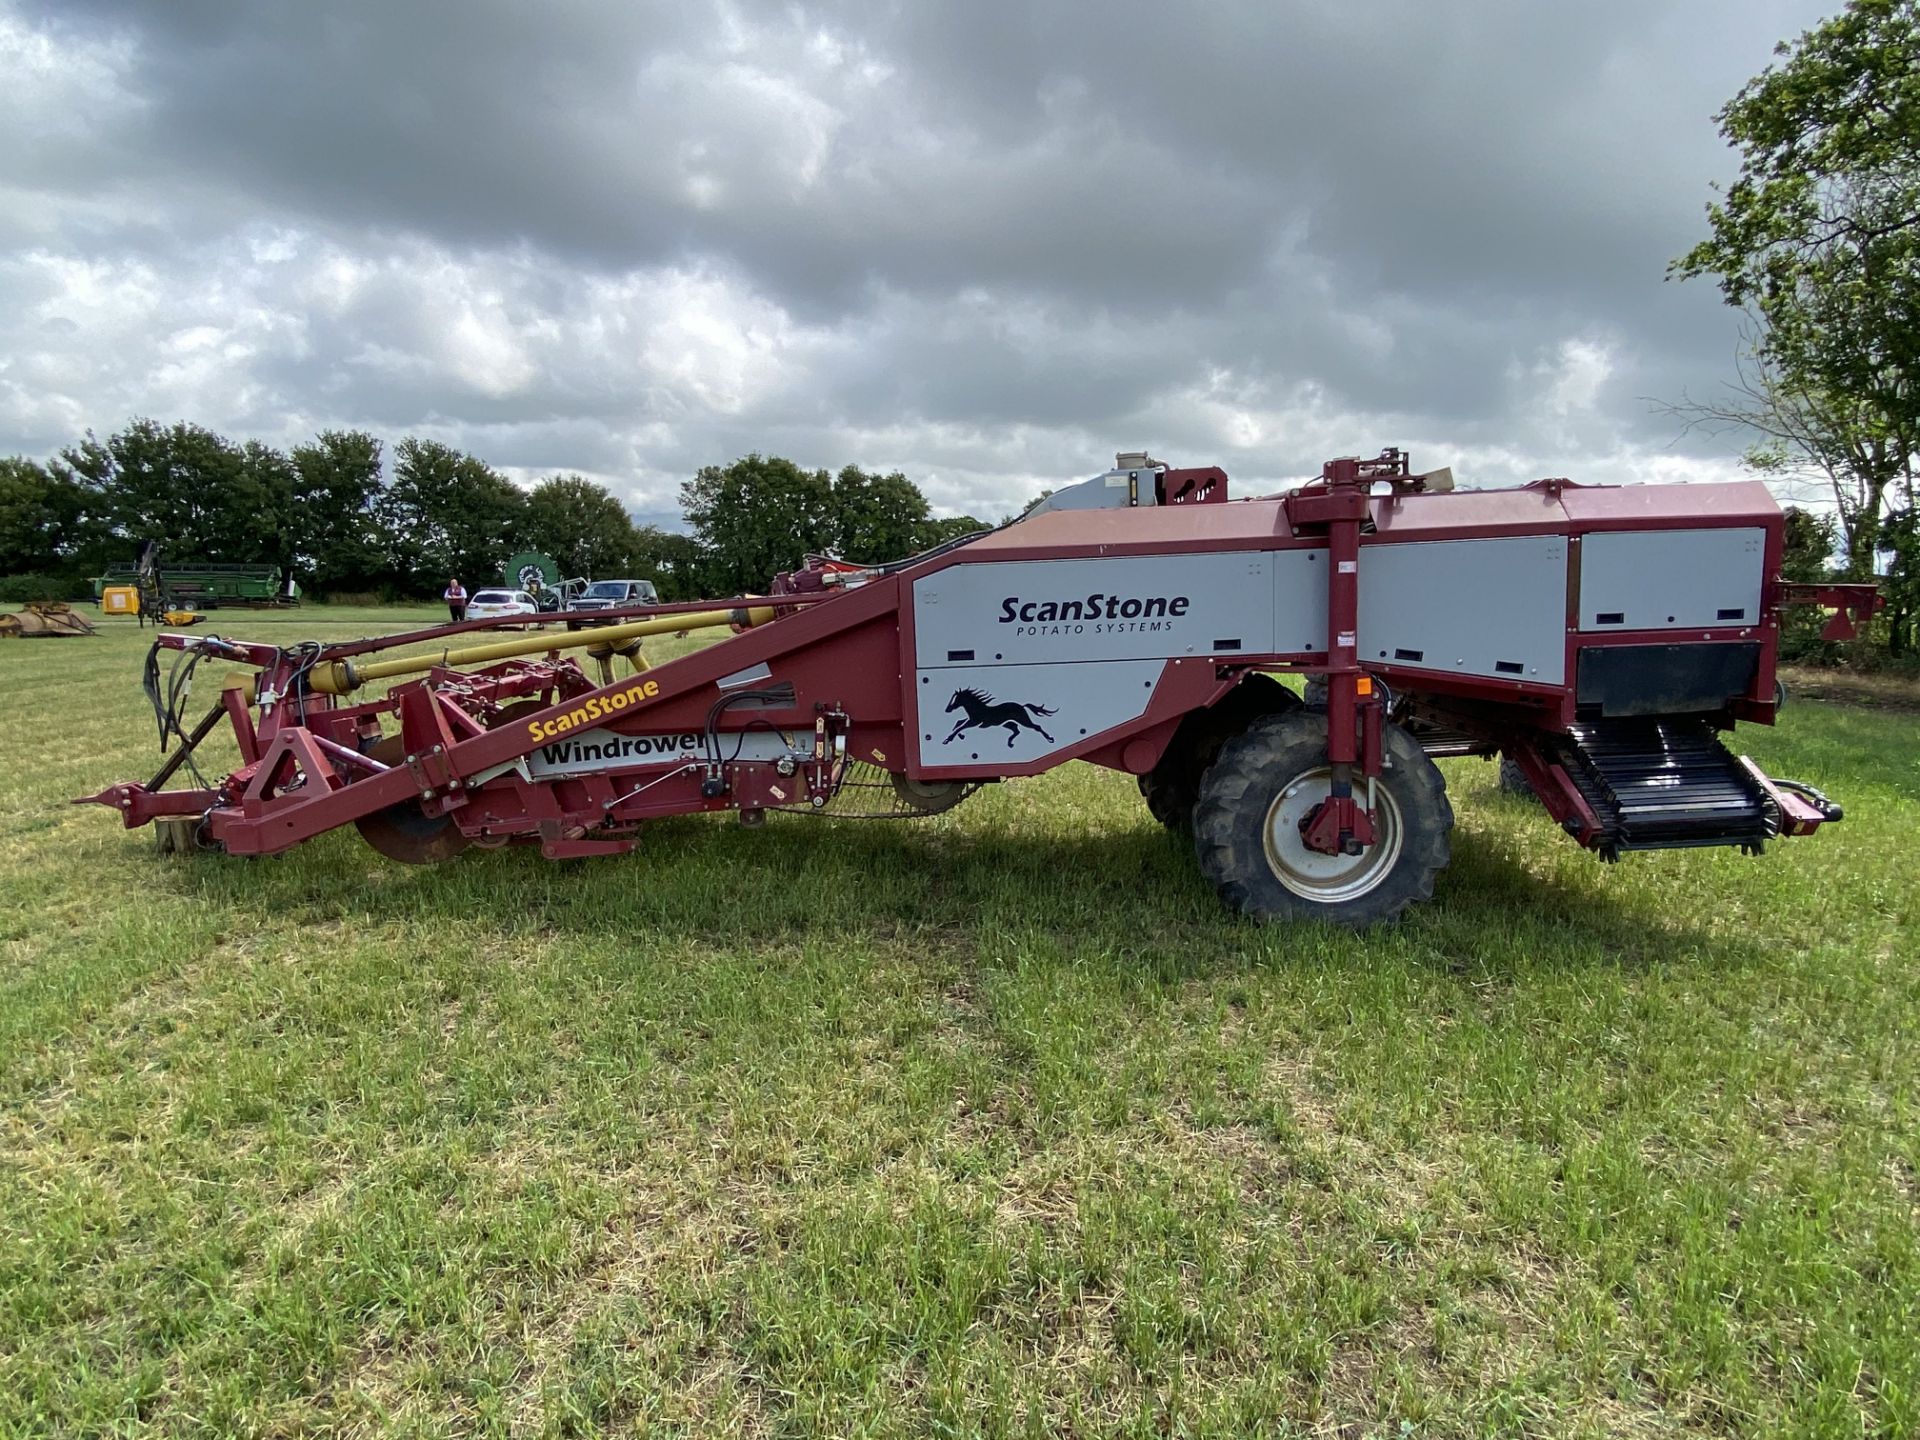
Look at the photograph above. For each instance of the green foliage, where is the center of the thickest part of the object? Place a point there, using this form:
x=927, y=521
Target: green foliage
x=1901, y=535
x=674, y=562
x=44, y=523
x=332, y=513
x=757, y=517
x=761, y=515
x=447, y=514
x=18, y=589
x=1819, y=238
x=1821, y=232
x=203, y=495
x=1808, y=554
x=334, y=530
x=877, y=517
x=1808, y=557
x=939, y=532
x=586, y=531
x=267, y=479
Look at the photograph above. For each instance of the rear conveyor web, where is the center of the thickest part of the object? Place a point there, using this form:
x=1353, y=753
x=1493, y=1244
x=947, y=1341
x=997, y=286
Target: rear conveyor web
x=1665, y=785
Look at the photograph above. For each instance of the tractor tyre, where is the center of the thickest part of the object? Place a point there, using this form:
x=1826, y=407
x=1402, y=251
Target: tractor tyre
x=1248, y=817
x=1513, y=780
x=1164, y=802
x=1171, y=787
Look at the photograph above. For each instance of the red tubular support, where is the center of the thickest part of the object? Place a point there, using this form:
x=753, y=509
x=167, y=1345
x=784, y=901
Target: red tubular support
x=1341, y=825
x=1343, y=623
x=1798, y=816
x=1370, y=740
x=1852, y=605
x=240, y=714
x=1555, y=790
x=138, y=805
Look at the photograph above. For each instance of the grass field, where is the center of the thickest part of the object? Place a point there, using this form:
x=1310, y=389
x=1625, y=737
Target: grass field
x=993, y=1123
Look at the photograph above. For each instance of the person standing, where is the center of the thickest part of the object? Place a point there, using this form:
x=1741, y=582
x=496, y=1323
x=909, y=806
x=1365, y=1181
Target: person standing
x=456, y=599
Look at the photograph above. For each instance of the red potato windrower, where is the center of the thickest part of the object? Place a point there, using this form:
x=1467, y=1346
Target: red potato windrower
x=1600, y=638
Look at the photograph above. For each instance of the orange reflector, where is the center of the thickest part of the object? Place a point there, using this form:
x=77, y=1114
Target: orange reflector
x=1364, y=685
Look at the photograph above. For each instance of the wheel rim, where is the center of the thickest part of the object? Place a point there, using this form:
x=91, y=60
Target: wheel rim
x=1311, y=875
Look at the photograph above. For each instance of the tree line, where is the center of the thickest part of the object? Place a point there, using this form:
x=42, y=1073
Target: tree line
x=344, y=522
x=344, y=518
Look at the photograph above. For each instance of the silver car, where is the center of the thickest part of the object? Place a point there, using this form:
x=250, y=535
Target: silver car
x=611, y=594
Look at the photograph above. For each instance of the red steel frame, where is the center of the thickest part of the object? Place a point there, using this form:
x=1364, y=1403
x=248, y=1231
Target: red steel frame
x=848, y=653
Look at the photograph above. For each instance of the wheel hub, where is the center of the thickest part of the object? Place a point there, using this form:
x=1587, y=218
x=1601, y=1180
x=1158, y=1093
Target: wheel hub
x=1314, y=874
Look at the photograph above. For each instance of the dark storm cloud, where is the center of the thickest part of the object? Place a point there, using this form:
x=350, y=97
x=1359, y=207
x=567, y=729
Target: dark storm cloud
x=985, y=243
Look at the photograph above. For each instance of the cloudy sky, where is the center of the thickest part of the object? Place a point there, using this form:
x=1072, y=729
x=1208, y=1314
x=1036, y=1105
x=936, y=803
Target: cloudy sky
x=987, y=244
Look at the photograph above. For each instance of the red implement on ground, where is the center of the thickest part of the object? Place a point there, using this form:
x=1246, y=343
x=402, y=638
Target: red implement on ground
x=1599, y=638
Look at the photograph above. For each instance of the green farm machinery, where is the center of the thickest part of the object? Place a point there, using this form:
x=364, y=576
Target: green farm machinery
x=192, y=586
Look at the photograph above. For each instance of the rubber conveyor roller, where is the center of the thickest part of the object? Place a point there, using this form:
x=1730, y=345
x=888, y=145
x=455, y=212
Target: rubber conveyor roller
x=1666, y=785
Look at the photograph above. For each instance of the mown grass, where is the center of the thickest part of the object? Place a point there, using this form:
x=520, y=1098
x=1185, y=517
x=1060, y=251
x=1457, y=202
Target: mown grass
x=993, y=1123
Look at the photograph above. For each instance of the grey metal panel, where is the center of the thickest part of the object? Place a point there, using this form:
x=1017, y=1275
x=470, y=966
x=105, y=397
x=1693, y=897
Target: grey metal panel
x=1299, y=601
x=1114, y=490
x=1029, y=612
x=1473, y=607
x=1671, y=579
x=1025, y=712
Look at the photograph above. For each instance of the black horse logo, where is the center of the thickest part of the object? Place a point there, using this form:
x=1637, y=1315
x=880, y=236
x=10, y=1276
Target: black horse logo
x=984, y=712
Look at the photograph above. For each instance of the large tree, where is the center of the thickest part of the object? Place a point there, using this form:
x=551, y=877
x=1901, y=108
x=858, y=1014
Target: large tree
x=1819, y=239
x=45, y=524
x=1820, y=446
x=581, y=526
x=939, y=532
x=267, y=480
x=334, y=531
x=1807, y=558
x=445, y=514
x=204, y=497
x=1902, y=582
x=876, y=517
x=675, y=563
x=756, y=517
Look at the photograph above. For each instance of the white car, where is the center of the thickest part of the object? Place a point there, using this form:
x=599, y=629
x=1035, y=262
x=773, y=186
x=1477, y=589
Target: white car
x=499, y=604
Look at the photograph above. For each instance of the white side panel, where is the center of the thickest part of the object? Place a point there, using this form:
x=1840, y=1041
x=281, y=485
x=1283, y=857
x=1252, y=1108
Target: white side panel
x=1494, y=608
x=1300, y=601
x=1011, y=714
x=1671, y=579
x=1127, y=607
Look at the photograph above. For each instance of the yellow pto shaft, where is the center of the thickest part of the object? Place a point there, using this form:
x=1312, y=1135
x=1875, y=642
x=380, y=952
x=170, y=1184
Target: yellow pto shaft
x=339, y=677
